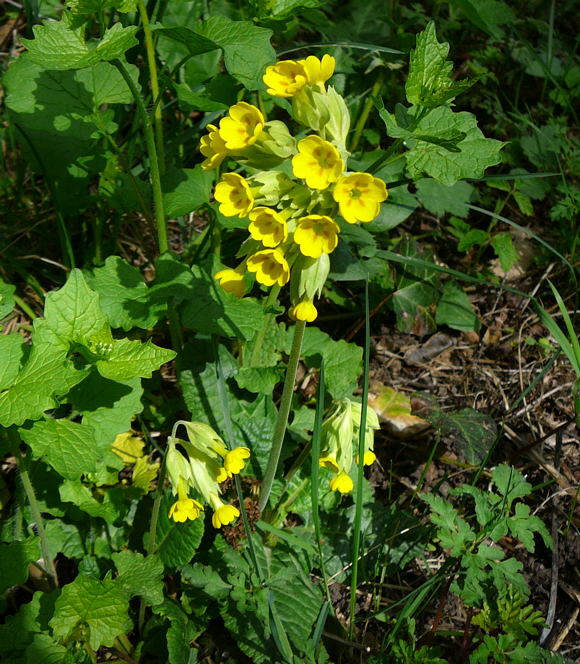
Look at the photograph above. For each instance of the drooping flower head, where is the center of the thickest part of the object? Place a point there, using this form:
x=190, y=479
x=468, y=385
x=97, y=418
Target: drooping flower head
x=242, y=126
x=223, y=514
x=267, y=226
x=318, y=71
x=318, y=162
x=304, y=310
x=359, y=196
x=234, y=195
x=232, y=281
x=213, y=147
x=270, y=267
x=316, y=235
x=285, y=78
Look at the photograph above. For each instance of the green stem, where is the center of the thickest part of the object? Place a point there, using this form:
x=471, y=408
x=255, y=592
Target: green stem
x=35, y=509
x=157, y=113
x=360, y=473
x=152, y=152
x=27, y=310
x=362, y=120
x=283, y=412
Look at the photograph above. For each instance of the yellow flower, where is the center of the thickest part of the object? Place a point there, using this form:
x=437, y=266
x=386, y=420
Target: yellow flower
x=285, y=78
x=318, y=71
x=223, y=514
x=318, y=162
x=328, y=462
x=231, y=281
x=359, y=196
x=234, y=460
x=184, y=509
x=270, y=267
x=235, y=195
x=342, y=483
x=267, y=226
x=369, y=458
x=213, y=147
x=242, y=126
x=304, y=310
x=316, y=235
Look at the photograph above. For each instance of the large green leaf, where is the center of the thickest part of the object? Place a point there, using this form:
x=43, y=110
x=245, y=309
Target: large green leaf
x=440, y=199
x=177, y=542
x=489, y=15
x=6, y=298
x=11, y=354
x=455, y=309
x=185, y=190
x=130, y=359
x=14, y=560
x=140, y=575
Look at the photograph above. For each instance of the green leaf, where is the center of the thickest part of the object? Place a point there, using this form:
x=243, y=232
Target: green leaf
x=505, y=250
x=177, y=542
x=523, y=525
x=81, y=496
x=453, y=532
x=510, y=482
x=429, y=82
x=207, y=579
x=98, y=6
x=57, y=45
x=19, y=629
x=524, y=203
x=130, y=359
x=473, y=237
x=440, y=199
x=99, y=607
x=140, y=575
x=44, y=650
x=6, y=299
x=14, y=559
x=184, y=628
x=68, y=447
x=185, y=190
x=64, y=538
x=455, y=309
x=488, y=15
x=11, y=354
x=260, y=380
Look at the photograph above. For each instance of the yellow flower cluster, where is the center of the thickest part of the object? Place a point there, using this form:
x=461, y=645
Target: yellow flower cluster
x=292, y=221
x=201, y=463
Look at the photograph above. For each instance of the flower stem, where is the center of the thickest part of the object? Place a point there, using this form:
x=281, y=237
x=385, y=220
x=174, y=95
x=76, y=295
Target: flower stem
x=49, y=568
x=283, y=412
x=153, y=162
x=149, y=47
x=362, y=120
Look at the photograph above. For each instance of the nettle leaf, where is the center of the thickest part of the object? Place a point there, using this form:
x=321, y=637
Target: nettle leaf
x=246, y=47
x=429, y=82
x=177, y=542
x=14, y=559
x=185, y=190
x=68, y=447
x=100, y=607
x=130, y=359
x=140, y=575
x=11, y=354
x=6, y=298
x=455, y=309
x=57, y=45
x=440, y=199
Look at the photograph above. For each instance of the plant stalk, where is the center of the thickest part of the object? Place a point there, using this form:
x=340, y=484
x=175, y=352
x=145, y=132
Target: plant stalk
x=283, y=412
x=362, y=120
x=154, y=163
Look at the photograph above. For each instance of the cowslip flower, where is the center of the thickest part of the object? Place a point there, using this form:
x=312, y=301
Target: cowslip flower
x=267, y=226
x=234, y=195
x=223, y=514
x=304, y=311
x=318, y=162
x=316, y=235
x=318, y=71
x=359, y=196
x=232, y=281
x=242, y=126
x=213, y=147
x=185, y=507
x=270, y=267
x=285, y=78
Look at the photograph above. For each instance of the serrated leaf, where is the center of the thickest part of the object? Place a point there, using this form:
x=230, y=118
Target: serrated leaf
x=64, y=538
x=523, y=525
x=505, y=250
x=131, y=359
x=14, y=559
x=18, y=630
x=207, y=579
x=453, y=531
x=473, y=433
x=440, y=199
x=81, y=496
x=185, y=190
x=100, y=606
x=473, y=237
x=11, y=355
x=455, y=309
x=6, y=298
x=57, y=45
x=429, y=82
x=177, y=542
x=97, y=6
x=488, y=15
x=510, y=482
x=140, y=575
x=68, y=447
x=260, y=380
x=44, y=650
x=524, y=203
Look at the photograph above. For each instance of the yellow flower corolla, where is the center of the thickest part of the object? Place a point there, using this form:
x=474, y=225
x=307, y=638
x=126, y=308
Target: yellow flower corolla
x=285, y=78
x=369, y=458
x=318, y=71
x=342, y=482
x=234, y=460
x=213, y=147
x=305, y=311
x=316, y=235
x=184, y=509
x=234, y=195
x=317, y=162
x=223, y=514
x=270, y=267
x=231, y=281
x=359, y=196
x=267, y=226
x=328, y=462
x=242, y=126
